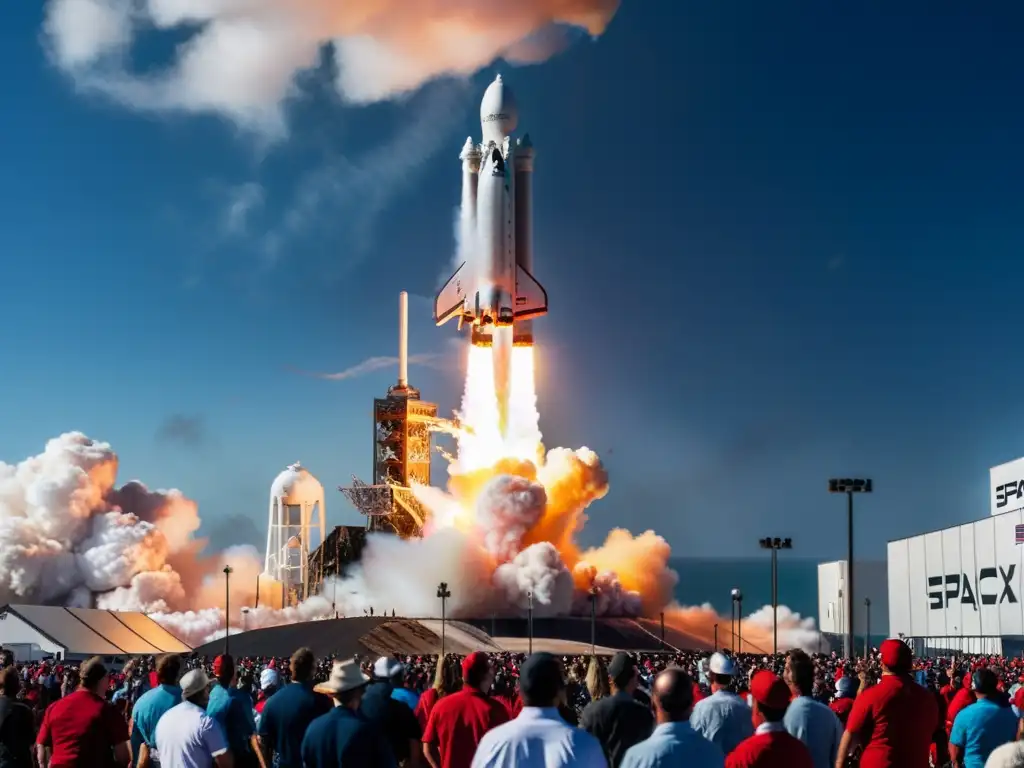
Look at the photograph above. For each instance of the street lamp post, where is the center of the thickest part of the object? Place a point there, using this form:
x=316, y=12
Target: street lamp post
x=529, y=620
x=257, y=591
x=443, y=594
x=867, y=627
x=593, y=620
x=737, y=602
x=716, y=638
x=849, y=486
x=775, y=544
x=227, y=606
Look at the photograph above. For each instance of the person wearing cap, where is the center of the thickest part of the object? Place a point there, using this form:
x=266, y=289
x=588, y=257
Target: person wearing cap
x=618, y=721
x=459, y=721
x=893, y=720
x=186, y=735
x=846, y=692
x=539, y=737
x=270, y=683
x=287, y=714
x=83, y=728
x=723, y=718
x=343, y=737
x=396, y=721
x=674, y=741
x=151, y=706
x=814, y=723
x=232, y=708
x=771, y=746
x=983, y=726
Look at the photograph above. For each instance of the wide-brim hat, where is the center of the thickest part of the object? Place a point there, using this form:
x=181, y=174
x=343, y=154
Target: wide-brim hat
x=345, y=676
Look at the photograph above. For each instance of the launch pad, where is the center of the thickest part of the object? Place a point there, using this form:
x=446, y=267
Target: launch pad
x=402, y=446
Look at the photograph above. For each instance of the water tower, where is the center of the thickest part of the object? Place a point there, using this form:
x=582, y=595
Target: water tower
x=295, y=498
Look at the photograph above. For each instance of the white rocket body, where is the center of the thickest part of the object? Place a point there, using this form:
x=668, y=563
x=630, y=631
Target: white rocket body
x=493, y=287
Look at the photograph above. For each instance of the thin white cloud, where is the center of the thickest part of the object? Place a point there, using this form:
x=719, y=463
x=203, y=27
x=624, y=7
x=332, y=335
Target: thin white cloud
x=243, y=201
x=241, y=58
x=373, y=364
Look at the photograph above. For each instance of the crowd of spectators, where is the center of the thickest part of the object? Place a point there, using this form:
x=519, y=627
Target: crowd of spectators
x=500, y=710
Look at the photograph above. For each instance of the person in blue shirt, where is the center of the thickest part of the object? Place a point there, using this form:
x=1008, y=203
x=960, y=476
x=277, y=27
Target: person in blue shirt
x=674, y=741
x=814, y=723
x=343, y=737
x=983, y=726
x=232, y=709
x=150, y=708
x=288, y=713
x=723, y=718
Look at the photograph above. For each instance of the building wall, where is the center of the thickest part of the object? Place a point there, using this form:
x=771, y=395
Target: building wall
x=956, y=586
x=1006, y=493
x=26, y=642
x=869, y=582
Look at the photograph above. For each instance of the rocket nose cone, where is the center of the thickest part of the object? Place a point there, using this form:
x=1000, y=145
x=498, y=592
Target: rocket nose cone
x=499, y=113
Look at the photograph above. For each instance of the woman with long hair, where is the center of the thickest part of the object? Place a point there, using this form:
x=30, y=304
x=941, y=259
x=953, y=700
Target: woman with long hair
x=597, y=679
x=447, y=679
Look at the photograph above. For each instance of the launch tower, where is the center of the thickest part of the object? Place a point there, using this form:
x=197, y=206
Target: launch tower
x=401, y=449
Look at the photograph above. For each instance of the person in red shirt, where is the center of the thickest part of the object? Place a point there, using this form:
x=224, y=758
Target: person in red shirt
x=894, y=720
x=962, y=699
x=770, y=746
x=83, y=730
x=447, y=680
x=846, y=692
x=458, y=721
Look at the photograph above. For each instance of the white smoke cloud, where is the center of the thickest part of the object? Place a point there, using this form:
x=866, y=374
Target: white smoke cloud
x=69, y=536
x=241, y=58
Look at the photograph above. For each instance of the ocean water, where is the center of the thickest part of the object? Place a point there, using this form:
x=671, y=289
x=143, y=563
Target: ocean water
x=712, y=581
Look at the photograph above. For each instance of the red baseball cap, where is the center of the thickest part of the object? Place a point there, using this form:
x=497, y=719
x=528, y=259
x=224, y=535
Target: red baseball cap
x=475, y=661
x=896, y=655
x=768, y=690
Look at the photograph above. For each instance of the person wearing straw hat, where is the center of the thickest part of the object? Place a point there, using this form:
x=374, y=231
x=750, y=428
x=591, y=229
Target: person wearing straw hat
x=343, y=737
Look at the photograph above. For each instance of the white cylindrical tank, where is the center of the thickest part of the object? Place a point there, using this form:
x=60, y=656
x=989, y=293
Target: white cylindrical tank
x=296, y=496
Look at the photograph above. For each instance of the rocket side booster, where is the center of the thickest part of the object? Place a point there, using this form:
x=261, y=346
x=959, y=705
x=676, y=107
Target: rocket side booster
x=493, y=287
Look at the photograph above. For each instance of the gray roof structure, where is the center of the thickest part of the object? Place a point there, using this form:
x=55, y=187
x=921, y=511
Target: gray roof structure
x=97, y=632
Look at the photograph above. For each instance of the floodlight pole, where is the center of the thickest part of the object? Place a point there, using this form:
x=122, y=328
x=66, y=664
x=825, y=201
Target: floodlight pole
x=775, y=544
x=867, y=627
x=593, y=620
x=443, y=594
x=850, y=486
x=529, y=620
x=227, y=607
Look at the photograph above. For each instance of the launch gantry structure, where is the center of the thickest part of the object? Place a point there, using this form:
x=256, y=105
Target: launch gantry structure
x=402, y=440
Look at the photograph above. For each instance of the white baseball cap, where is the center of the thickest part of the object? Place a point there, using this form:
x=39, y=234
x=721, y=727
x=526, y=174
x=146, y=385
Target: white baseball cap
x=193, y=682
x=721, y=664
x=269, y=679
x=387, y=667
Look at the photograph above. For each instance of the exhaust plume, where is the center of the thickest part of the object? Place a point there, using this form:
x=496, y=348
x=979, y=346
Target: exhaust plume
x=243, y=57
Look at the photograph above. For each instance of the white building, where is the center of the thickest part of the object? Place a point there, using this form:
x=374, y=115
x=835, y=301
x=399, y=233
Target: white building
x=960, y=588
x=834, y=604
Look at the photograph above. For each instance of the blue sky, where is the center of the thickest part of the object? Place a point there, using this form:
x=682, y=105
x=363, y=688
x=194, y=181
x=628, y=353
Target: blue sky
x=781, y=242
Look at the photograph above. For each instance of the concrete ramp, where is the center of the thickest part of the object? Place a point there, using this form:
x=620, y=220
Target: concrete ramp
x=463, y=635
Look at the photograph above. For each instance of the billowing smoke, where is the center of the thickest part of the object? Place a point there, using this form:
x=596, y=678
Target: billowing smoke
x=242, y=58
x=70, y=536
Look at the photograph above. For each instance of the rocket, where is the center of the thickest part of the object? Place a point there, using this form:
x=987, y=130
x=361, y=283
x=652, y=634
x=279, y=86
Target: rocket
x=493, y=287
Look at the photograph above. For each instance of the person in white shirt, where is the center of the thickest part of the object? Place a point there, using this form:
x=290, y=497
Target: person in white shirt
x=186, y=737
x=1007, y=756
x=539, y=737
